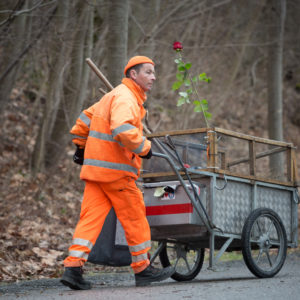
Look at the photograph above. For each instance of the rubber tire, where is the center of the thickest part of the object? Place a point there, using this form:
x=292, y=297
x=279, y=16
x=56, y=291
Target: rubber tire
x=164, y=259
x=246, y=247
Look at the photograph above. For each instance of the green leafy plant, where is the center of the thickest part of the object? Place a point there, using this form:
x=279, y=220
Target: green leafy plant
x=186, y=85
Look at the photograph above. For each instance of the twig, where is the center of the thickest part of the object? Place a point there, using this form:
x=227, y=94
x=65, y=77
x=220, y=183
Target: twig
x=28, y=47
x=24, y=11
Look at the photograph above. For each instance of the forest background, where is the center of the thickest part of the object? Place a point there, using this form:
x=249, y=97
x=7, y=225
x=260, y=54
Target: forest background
x=250, y=49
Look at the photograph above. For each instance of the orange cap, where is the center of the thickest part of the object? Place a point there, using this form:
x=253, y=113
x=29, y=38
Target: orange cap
x=136, y=60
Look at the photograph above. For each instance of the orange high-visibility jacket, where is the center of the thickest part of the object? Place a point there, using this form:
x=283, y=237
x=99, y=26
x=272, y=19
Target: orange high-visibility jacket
x=111, y=132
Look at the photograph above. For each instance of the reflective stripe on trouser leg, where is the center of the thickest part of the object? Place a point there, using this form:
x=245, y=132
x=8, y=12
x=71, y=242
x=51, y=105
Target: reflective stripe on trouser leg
x=79, y=254
x=94, y=209
x=138, y=258
x=140, y=247
x=129, y=206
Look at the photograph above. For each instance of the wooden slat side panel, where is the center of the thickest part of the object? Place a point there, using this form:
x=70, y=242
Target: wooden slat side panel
x=221, y=172
x=253, y=138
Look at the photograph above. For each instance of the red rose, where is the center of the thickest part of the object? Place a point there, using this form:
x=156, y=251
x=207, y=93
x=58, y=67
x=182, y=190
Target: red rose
x=177, y=46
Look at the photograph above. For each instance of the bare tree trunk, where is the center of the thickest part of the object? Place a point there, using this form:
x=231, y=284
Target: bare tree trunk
x=253, y=14
x=117, y=40
x=16, y=42
x=75, y=87
x=53, y=96
x=18, y=27
x=87, y=48
x=277, y=13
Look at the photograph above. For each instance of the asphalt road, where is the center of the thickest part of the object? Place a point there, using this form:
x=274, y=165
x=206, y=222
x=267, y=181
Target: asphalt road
x=231, y=281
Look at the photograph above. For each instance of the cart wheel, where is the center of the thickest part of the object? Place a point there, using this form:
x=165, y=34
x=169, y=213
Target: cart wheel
x=264, y=243
x=187, y=262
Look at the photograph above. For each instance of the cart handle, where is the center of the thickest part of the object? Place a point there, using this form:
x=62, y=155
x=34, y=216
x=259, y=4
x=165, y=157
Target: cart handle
x=223, y=187
x=296, y=197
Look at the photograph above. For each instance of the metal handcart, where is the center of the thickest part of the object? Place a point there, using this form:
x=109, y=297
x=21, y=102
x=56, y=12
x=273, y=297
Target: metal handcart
x=215, y=189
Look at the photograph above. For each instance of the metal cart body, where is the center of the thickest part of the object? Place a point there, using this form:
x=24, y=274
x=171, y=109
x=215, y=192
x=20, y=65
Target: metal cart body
x=229, y=201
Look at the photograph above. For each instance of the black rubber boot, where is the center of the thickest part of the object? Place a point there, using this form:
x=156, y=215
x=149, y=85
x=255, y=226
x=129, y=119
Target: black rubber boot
x=151, y=274
x=72, y=278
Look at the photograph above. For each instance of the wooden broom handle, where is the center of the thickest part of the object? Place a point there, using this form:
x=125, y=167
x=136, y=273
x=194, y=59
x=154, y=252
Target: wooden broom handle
x=99, y=73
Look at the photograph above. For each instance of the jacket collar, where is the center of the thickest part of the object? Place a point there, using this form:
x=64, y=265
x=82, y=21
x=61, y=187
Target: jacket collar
x=136, y=89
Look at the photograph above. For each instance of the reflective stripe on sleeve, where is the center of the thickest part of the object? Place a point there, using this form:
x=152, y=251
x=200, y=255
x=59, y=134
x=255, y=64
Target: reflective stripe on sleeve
x=140, y=148
x=140, y=257
x=140, y=247
x=110, y=165
x=122, y=128
x=79, y=254
x=85, y=119
x=126, y=127
x=75, y=136
x=103, y=137
x=83, y=242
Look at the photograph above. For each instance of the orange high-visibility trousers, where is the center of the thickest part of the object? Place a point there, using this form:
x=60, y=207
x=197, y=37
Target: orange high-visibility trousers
x=127, y=201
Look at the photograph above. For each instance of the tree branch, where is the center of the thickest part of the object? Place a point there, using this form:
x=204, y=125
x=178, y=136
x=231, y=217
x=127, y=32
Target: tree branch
x=195, y=14
x=28, y=47
x=14, y=13
x=11, y=17
x=159, y=26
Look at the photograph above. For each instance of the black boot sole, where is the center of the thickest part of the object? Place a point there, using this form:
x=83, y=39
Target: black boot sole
x=148, y=281
x=75, y=286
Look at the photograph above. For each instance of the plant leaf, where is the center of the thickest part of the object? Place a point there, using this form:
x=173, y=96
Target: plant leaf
x=202, y=76
x=187, y=82
x=195, y=79
x=179, y=76
x=207, y=115
x=188, y=66
x=183, y=94
x=176, y=85
x=204, y=104
x=198, y=108
x=181, y=101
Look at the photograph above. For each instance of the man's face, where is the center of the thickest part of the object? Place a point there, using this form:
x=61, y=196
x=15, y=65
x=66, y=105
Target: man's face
x=145, y=77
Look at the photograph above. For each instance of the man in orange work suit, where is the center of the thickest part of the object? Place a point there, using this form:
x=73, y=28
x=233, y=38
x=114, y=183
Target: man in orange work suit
x=110, y=133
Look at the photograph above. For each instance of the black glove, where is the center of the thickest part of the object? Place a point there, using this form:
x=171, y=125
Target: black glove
x=148, y=155
x=78, y=155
